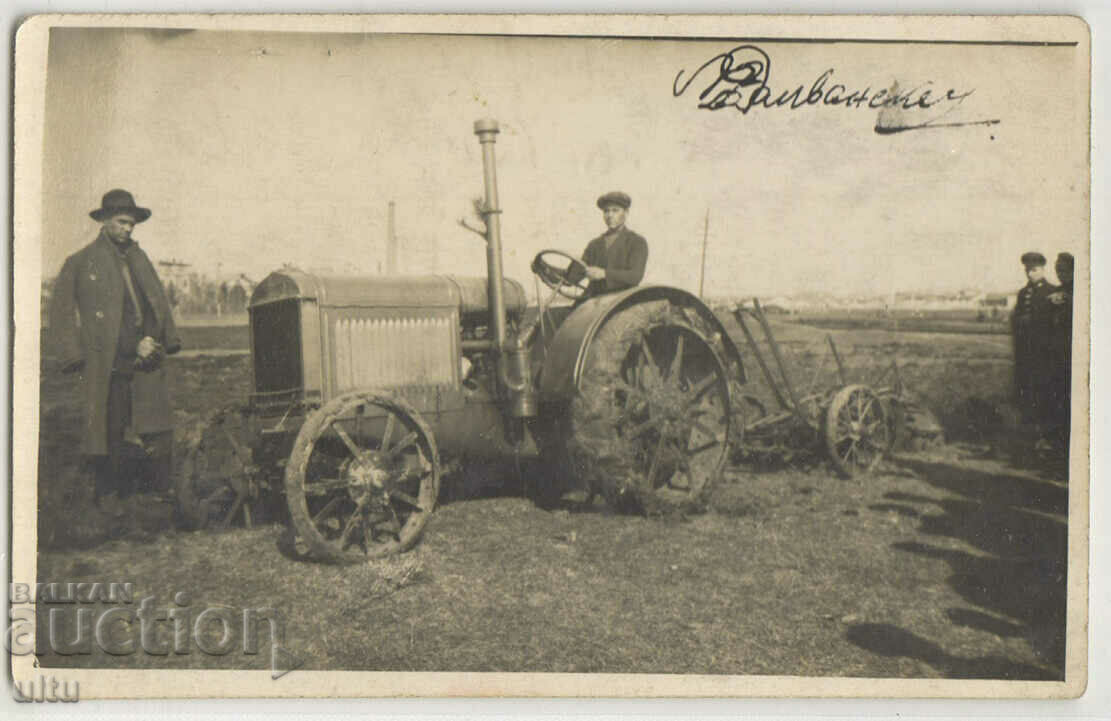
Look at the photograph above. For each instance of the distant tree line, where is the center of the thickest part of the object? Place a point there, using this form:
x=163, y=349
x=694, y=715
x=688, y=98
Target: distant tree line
x=190, y=293
x=196, y=294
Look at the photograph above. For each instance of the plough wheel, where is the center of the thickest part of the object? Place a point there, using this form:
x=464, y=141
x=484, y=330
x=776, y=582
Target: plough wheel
x=363, y=478
x=215, y=485
x=857, y=430
x=651, y=423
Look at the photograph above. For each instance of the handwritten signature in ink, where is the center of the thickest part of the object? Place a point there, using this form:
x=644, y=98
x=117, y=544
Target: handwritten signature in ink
x=738, y=79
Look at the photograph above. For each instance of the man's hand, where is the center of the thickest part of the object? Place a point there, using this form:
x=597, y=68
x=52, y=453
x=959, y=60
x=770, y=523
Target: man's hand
x=147, y=347
x=150, y=354
x=595, y=272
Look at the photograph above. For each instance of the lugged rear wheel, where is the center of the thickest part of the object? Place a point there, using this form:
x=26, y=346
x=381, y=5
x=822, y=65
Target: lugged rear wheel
x=650, y=426
x=363, y=478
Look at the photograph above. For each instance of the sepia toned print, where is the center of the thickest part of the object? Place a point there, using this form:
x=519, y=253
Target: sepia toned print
x=555, y=356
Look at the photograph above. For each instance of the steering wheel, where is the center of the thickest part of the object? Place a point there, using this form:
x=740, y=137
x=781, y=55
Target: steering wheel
x=557, y=278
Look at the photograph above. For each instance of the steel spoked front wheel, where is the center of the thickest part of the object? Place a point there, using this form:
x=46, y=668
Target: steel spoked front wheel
x=363, y=478
x=857, y=430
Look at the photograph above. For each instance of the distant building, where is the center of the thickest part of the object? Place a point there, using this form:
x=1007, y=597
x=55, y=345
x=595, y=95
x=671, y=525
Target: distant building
x=173, y=271
x=995, y=306
x=1002, y=301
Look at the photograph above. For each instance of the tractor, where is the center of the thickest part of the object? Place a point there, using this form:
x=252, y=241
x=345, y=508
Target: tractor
x=362, y=386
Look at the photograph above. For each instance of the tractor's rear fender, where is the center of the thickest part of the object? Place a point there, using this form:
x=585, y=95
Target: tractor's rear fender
x=566, y=354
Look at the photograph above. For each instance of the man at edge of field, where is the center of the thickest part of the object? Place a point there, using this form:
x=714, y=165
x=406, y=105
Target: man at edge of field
x=111, y=323
x=1032, y=335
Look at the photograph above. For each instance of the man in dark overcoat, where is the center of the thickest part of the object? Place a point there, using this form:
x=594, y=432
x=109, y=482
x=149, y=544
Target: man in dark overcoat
x=1032, y=334
x=111, y=322
x=615, y=260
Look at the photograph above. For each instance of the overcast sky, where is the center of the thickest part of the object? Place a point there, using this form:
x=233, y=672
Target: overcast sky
x=258, y=149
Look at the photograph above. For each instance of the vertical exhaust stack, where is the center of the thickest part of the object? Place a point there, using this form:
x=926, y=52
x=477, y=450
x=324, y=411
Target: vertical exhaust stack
x=486, y=130
x=514, y=372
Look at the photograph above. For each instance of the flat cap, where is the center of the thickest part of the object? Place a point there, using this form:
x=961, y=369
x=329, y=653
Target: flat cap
x=1033, y=258
x=615, y=198
x=1065, y=259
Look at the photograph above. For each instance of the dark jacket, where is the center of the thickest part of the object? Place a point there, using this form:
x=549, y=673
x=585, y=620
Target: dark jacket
x=85, y=315
x=1033, y=318
x=624, y=261
x=1033, y=335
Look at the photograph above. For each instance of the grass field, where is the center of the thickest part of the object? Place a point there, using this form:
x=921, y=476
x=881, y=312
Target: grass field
x=907, y=321
x=948, y=563
x=215, y=337
x=905, y=325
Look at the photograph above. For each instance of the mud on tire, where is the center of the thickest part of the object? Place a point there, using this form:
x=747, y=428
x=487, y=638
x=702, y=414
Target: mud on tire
x=356, y=495
x=650, y=426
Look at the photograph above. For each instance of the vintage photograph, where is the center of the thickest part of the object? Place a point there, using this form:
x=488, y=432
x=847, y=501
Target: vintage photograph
x=561, y=356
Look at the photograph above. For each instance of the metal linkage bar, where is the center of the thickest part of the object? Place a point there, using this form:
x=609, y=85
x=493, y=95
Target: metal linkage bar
x=837, y=357
x=758, y=313
x=739, y=313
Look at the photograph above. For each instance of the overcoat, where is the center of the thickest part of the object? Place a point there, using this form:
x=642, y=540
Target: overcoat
x=1033, y=335
x=85, y=314
x=624, y=262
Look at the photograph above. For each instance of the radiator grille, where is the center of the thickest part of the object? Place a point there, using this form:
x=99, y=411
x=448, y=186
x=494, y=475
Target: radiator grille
x=390, y=352
x=276, y=335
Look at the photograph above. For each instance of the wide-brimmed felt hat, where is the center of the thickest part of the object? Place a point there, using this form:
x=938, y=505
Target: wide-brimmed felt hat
x=1033, y=259
x=116, y=202
x=615, y=198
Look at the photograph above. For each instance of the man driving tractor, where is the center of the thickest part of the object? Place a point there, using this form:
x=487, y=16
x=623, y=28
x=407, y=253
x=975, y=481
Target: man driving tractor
x=614, y=260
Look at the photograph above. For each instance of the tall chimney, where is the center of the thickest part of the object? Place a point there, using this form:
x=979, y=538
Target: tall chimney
x=391, y=241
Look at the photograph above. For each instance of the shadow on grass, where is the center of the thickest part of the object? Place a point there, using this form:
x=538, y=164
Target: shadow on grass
x=482, y=480
x=1030, y=592
x=892, y=641
x=974, y=619
x=992, y=489
x=1018, y=578
x=473, y=480
x=994, y=425
x=905, y=511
